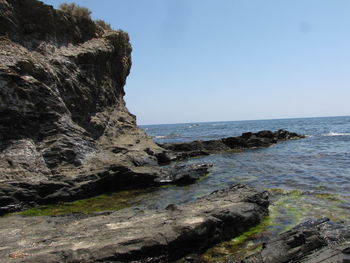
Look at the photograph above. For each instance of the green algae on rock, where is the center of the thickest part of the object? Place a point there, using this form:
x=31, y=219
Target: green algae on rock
x=239, y=246
x=135, y=234
x=289, y=208
x=312, y=241
x=106, y=202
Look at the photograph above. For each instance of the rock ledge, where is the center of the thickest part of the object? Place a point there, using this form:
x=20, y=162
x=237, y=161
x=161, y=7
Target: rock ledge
x=133, y=234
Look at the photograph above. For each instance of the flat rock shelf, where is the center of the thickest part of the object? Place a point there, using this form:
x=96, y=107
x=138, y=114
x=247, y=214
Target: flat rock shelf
x=133, y=234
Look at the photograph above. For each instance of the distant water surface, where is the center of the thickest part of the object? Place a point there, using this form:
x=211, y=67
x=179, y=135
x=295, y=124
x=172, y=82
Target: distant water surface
x=307, y=178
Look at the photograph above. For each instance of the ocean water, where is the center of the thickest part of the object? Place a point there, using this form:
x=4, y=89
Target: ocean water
x=320, y=161
x=306, y=178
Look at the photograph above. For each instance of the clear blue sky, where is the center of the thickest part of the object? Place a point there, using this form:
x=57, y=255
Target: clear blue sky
x=207, y=60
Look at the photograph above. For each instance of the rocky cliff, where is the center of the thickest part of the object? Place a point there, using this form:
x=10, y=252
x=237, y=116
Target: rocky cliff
x=61, y=89
x=65, y=132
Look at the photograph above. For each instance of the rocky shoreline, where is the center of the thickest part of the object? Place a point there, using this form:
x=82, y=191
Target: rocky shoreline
x=66, y=134
x=19, y=194
x=247, y=140
x=170, y=234
x=313, y=241
x=133, y=234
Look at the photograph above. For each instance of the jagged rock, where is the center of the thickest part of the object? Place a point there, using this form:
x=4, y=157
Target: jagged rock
x=65, y=131
x=246, y=140
x=314, y=241
x=133, y=234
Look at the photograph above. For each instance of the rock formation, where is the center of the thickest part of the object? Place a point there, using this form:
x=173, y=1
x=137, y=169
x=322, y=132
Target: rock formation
x=245, y=141
x=133, y=234
x=313, y=241
x=65, y=132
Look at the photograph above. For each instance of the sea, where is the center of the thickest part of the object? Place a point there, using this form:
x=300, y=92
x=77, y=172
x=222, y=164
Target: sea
x=306, y=178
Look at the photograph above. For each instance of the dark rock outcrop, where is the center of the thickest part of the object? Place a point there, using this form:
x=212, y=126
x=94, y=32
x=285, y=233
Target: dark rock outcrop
x=16, y=195
x=133, y=234
x=245, y=141
x=65, y=132
x=314, y=241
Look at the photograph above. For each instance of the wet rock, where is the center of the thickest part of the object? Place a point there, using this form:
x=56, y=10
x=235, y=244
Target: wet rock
x=184, y=174
x=235, y=142
x=313, y=241
x=245, y=141
x=165, y=157
x=246, y=135
x=133, y=234
x=346, y=250
x=18, y=195
x=266, y=134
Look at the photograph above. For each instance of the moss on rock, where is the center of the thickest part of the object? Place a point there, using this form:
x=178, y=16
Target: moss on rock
x=114, y=202
x=290, y=207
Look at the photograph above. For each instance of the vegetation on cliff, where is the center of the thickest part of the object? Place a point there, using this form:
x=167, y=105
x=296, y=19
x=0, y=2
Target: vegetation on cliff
x=84, y=13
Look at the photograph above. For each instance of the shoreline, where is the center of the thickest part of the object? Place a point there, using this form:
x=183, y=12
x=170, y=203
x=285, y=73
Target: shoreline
x=66, y=134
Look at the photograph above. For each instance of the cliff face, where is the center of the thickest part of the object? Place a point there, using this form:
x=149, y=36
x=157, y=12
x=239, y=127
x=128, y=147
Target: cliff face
x=60, y=90
x=65, y=132
x=64, y=128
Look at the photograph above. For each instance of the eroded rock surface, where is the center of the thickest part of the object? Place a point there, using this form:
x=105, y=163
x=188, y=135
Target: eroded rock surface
x=315, y=241
x=133, y=234
x=65, y=132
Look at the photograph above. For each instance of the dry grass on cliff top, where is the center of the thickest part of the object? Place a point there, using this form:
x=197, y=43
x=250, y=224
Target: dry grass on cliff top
x=75, y=10
x=83, y=13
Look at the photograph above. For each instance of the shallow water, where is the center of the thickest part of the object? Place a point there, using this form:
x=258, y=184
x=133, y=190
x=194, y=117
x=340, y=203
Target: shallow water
x=320, y=162
x=307, y=177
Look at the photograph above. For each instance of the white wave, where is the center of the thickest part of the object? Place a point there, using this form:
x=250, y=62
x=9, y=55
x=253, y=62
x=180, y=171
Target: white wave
x=160, y=137
x=168, y=136
x=336, y=134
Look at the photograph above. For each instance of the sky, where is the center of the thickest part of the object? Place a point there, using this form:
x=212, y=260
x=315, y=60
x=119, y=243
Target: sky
x=207, y=60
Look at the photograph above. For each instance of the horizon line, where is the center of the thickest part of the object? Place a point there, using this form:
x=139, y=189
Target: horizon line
x=268, y=119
